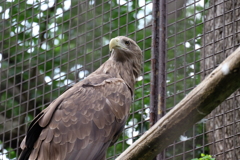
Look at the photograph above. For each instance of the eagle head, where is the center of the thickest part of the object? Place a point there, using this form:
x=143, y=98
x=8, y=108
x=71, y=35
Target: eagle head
x=124, y=49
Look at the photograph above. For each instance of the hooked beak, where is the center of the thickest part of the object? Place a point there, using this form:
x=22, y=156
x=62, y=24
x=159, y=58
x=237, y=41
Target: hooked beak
x=115, y=43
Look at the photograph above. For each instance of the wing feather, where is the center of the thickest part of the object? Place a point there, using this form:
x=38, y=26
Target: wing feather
x=35, y=151
x=70, y=146
x=83, y=121
x=57, y=139
x=43, y=134
x=49, y=136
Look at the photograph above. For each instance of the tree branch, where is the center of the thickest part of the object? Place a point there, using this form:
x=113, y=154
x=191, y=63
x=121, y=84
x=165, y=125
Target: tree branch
x=213, y=90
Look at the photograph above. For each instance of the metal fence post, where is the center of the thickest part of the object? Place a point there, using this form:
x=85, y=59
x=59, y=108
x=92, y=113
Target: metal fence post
x=158, y=77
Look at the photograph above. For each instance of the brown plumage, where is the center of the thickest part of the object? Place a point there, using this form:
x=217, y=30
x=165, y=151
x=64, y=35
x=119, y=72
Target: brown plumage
x=86, y=119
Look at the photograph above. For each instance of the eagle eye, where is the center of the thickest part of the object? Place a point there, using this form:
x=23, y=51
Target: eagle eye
x=127, y=43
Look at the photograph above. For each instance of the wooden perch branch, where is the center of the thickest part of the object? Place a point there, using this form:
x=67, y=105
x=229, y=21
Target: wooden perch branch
x=213, y=90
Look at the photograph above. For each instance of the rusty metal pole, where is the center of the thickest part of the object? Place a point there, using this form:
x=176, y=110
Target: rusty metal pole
x=158, y=64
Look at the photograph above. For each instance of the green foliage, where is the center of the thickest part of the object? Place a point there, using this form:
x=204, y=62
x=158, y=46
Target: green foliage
x=11, y=154
x=8, y=153
x=183, y=56
x=204, y=157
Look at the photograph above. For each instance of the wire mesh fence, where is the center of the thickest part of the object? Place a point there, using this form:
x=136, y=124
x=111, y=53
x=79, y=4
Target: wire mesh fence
x=47, y=46
x=201, y=34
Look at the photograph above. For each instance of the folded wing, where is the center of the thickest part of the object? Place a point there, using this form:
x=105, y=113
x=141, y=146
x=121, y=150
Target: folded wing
x=81, y=123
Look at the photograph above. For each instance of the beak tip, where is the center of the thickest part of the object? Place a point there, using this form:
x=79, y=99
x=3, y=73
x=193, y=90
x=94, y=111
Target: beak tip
x=113, y=42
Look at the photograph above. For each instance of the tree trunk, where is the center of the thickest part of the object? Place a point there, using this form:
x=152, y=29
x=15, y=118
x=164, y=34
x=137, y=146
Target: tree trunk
x=222, y=37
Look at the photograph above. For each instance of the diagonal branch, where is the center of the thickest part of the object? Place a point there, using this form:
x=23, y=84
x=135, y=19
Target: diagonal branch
x=213, y=90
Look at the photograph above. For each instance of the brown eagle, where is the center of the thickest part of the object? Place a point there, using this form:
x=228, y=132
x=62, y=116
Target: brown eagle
x=87, y=118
